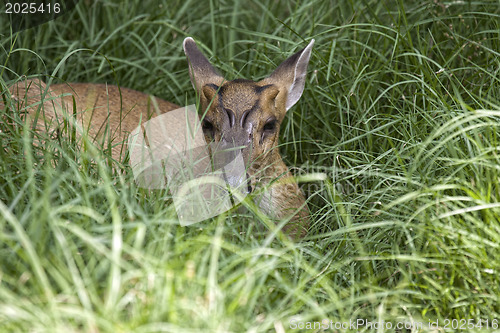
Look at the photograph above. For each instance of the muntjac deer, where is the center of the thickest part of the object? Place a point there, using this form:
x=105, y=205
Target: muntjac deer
x=245, y=113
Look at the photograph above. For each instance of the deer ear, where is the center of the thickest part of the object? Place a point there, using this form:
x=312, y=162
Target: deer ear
x=290, y=76
x=200, y=69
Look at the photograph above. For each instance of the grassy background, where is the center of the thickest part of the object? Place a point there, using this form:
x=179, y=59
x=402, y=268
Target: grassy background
x=401, y=111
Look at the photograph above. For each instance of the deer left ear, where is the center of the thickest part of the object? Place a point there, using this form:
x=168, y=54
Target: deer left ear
x=201, y=71
x=290, y=76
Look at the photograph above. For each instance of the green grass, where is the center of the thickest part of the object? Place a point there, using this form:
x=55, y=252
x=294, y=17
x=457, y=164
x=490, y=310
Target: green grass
x=401, y=110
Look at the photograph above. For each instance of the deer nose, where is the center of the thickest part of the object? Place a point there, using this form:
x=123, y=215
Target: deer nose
x=229, y=157
x=249, y=184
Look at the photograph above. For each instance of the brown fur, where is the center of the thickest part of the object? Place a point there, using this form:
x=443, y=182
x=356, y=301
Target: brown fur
x=240, y=112
x=106, y=113
x=254, y=105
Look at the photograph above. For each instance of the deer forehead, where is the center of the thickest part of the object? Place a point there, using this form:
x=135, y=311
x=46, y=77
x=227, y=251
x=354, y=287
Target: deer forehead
x=240, y=96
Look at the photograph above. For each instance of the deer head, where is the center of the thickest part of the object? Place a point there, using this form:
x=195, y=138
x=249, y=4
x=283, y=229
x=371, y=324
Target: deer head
x=247, y=114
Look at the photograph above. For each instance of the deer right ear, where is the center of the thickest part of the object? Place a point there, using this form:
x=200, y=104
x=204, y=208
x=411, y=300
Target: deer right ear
x=290, y=76
x=202, y=73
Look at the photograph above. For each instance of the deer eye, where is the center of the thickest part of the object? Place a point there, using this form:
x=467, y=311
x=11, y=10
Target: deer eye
x=207, y=126
x=270, y=125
